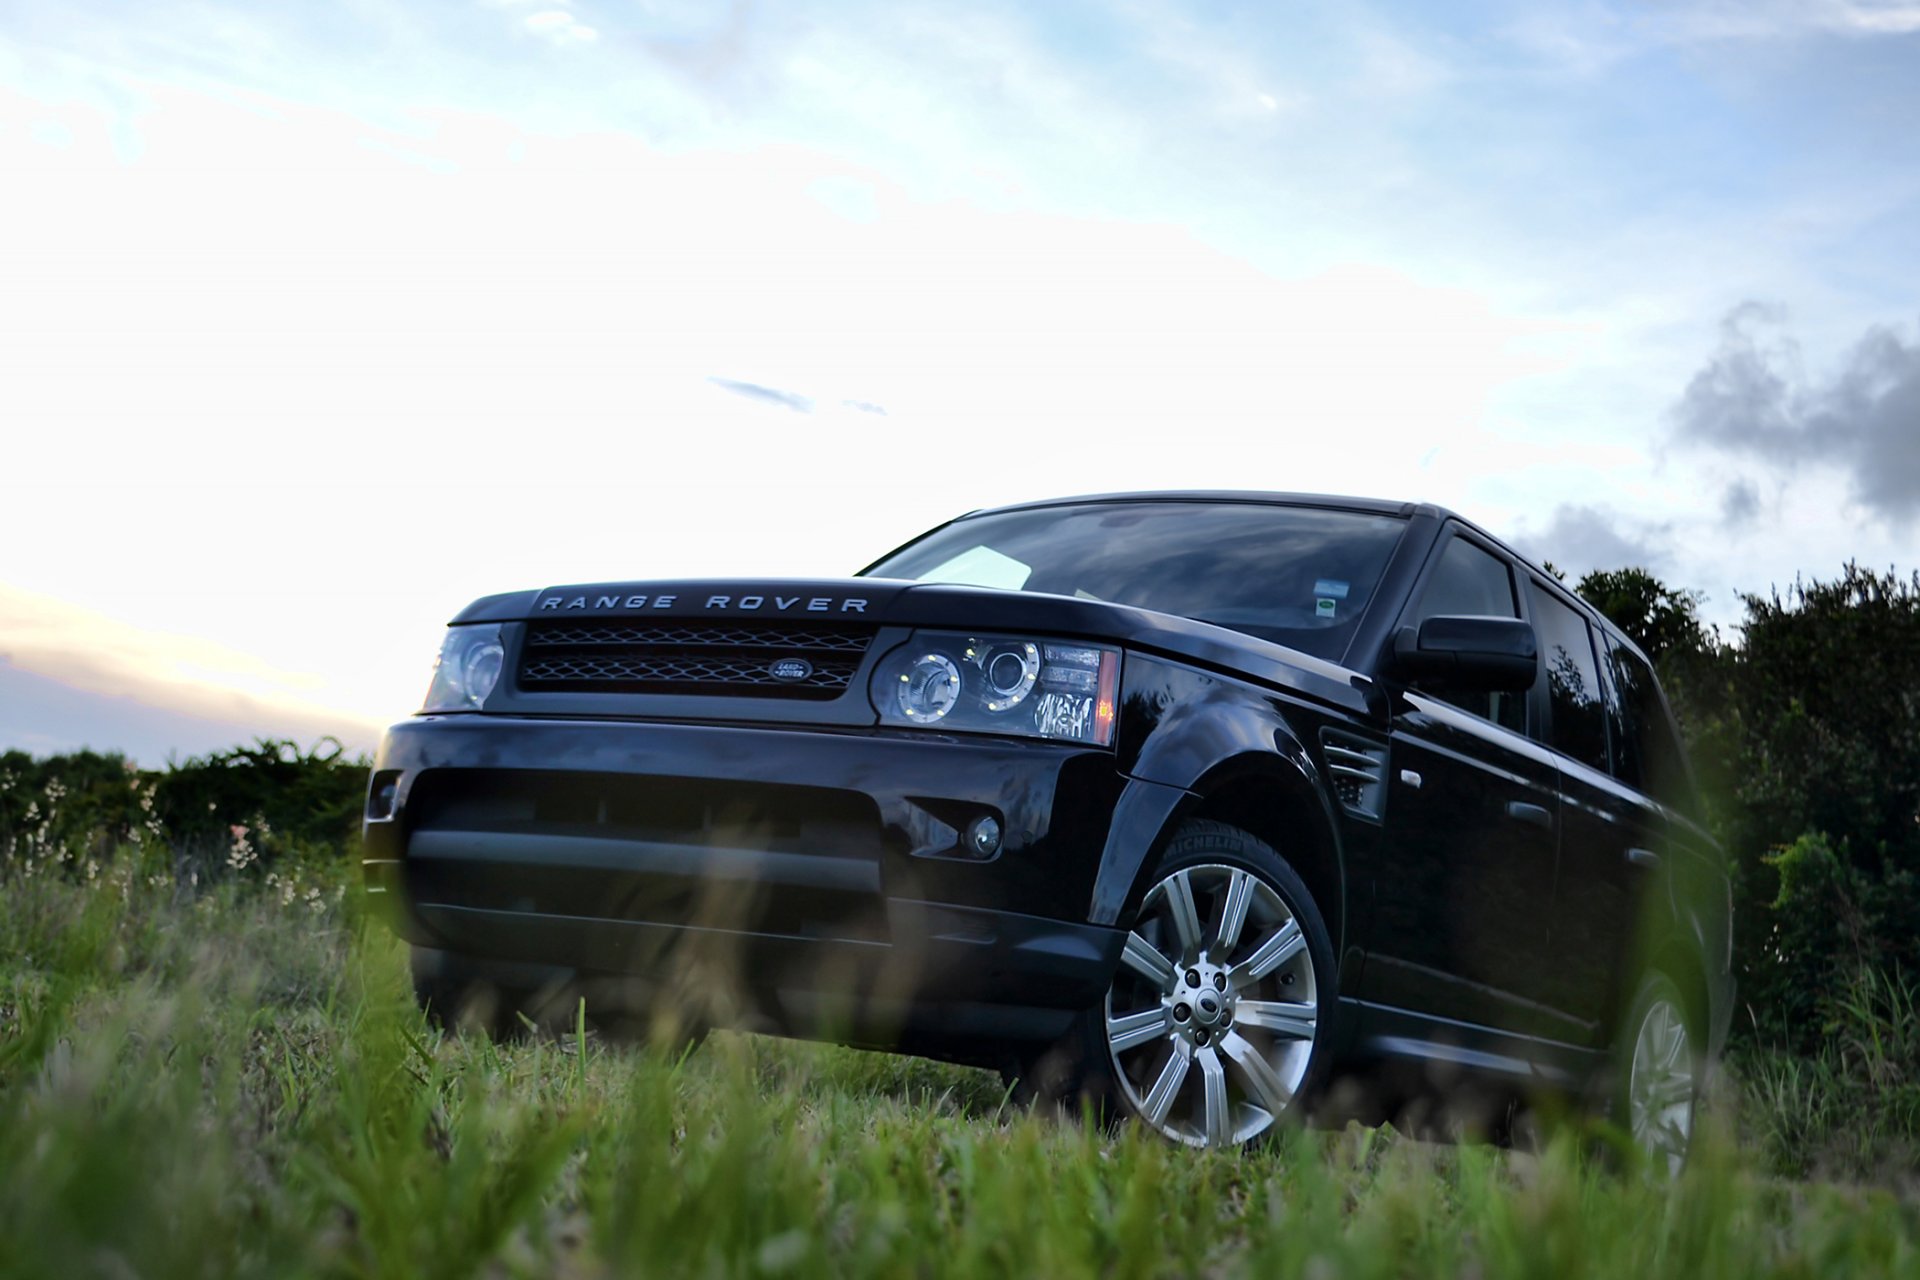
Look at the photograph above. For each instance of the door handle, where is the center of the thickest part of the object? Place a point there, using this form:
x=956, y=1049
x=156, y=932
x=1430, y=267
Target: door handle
x=1531, y=814
x=1643, y=858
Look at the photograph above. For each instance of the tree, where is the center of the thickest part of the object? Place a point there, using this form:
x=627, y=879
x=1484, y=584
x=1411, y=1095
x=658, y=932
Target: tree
x=1656, y=617
x=1826, y=788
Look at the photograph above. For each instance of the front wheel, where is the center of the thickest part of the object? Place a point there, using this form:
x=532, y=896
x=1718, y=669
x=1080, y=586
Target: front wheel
x=1212, y=1030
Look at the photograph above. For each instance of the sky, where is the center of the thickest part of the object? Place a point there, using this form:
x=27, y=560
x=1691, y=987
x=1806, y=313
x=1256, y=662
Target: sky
x=317, y=321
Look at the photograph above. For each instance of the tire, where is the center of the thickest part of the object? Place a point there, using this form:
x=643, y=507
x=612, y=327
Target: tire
x=1206, y=1049
x=457, y=994
x=1659, y=1069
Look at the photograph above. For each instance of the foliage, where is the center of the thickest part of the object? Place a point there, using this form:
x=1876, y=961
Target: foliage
x=308, y=797
x=260, y=802
x=1662, y=621
x=1825, y=700
x=1853, y=1105
x=1806, y=734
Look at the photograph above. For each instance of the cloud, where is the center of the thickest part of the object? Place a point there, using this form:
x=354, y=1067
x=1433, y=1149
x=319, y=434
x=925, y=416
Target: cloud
x=560, y=27
x=772, y=395
x=70, y=677
x=47, y=717
x=1755, y=398
x=1579, y=538
x=1740, y=503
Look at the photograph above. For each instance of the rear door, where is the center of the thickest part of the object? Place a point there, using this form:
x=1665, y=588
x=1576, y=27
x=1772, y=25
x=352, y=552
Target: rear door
x=1471, y=830
x=1621, y=848
x=1601, y=822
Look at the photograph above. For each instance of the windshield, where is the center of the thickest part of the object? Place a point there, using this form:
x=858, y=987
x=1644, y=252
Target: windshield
x=1300, y=576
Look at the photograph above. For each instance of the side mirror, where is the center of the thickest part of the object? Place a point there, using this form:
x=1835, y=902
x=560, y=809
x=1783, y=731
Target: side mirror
x=1497, y=655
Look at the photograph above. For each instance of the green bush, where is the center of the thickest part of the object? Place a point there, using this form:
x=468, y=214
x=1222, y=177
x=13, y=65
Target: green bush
x=264, y=802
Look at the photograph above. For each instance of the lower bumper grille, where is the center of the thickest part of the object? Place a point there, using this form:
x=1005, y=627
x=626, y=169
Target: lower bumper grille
x=793, y=861
x=770, y=660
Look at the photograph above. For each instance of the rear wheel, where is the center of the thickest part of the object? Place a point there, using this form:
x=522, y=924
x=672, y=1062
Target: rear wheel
x=1662, y=1063
x=1212, y=1030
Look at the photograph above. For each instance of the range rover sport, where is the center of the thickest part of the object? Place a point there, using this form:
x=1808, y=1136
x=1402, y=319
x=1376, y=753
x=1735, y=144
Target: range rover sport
x=1180, y=800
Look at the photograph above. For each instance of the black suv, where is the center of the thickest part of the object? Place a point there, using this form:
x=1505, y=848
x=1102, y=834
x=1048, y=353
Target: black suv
x=1191, y=796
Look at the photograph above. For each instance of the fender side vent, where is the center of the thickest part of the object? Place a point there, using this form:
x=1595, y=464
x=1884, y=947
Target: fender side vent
x=1357, y=768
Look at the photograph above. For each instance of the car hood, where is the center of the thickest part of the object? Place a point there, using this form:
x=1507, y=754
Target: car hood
x=887, y=602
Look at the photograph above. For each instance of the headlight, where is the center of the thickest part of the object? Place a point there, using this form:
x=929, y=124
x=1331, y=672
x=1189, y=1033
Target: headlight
x=1000, y=684
x=467, y=669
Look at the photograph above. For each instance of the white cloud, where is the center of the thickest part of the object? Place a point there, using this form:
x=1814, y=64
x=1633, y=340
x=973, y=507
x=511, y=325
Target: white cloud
x=560, y=27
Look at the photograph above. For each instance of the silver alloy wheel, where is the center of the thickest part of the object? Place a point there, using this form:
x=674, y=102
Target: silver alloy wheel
x=1217, y=975
x=1661, y=1084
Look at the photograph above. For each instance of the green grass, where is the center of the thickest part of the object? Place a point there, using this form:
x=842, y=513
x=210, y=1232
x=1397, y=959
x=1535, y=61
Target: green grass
x=224, y=1082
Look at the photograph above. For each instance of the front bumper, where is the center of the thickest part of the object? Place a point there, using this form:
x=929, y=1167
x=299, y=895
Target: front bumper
x=821, y=874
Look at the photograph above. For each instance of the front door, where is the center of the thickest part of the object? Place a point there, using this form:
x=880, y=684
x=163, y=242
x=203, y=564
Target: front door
x=1466, y=885
x=1466, y=877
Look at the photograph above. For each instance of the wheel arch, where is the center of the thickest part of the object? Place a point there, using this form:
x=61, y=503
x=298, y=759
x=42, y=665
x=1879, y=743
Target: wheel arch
x=1273, y=796
x=1271, y=800
x=1684, y=934
x=1680, y=960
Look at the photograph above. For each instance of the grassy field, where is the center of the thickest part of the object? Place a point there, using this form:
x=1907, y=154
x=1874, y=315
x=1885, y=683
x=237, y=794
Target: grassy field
x=208, y=1079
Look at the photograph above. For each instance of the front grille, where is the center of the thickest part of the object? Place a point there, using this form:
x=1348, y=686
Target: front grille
x=690, y=658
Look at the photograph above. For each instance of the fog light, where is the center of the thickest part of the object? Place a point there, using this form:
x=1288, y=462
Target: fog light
x=983, y=837
x=381, y=794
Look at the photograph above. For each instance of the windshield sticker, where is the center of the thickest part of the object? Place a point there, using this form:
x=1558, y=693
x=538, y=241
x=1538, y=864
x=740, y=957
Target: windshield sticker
x=1324, y=607
x=1329, y=589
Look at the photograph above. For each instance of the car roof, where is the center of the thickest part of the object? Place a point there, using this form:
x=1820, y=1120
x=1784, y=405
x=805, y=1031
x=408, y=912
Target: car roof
x=1376, y=506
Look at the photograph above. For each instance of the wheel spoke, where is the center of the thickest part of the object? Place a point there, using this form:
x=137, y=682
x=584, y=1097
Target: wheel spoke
x=1668, y=1137
x=1233, y=915
x=1670, y=1092
x=1213, y=1075
x=1131, y=1030
x=1676, y=1045
x=1186, y=916
x=1266, y=1088
x=1145, y=959
x=1286, y=943
x=1282, y=1017
x=1172, y=1076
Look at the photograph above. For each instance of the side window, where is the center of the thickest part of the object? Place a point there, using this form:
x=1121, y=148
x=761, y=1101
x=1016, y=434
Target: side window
x=1473, y=582
x=1651, y=757
x=1579, y=725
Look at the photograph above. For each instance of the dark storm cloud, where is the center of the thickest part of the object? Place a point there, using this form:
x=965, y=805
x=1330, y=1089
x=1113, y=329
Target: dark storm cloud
x=772, y=395
x=1580, y=538
x=1753, y=398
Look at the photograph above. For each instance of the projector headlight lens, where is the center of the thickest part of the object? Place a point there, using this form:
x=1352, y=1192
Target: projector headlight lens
x=1011, y=672
x=1000, y=684
x=469, y=666
x=928, y=688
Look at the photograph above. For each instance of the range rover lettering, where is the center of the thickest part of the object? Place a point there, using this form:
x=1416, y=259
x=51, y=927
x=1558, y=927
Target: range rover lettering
x=1184, y=802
